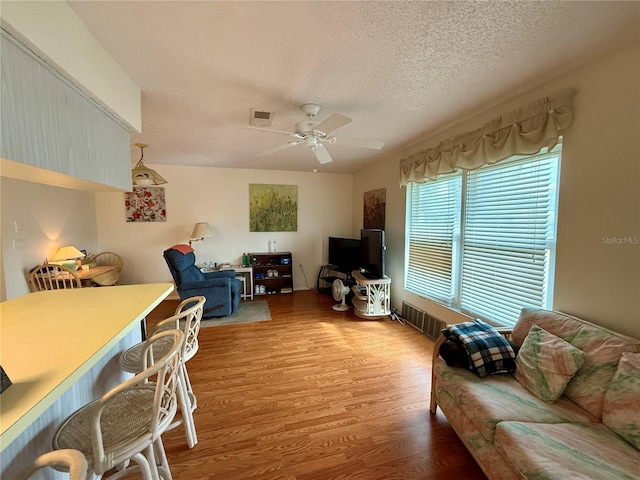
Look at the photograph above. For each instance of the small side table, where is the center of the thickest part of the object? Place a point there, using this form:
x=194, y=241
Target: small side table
x=372, y=301
x=246, y=277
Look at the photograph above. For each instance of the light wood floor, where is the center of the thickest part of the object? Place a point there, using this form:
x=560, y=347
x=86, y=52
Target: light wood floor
x=314, y=394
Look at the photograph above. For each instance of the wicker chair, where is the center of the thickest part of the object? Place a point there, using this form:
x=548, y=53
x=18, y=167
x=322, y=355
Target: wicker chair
x=53, y=277
x=70, y=460
x=110, y=259
x=126, y=424
x=187, y=318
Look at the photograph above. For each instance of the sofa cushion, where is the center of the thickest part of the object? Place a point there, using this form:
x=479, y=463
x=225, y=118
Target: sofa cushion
x=483, y=450
x=621, y=409
x=546, y=364
x=490, y=400
x=602, y=347
x=566, y=451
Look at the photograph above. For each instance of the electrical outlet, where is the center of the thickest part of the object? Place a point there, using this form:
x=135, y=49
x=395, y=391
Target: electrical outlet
x=19, y=244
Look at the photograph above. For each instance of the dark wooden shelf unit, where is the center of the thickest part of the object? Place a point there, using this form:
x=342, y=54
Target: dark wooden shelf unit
x=280, y=282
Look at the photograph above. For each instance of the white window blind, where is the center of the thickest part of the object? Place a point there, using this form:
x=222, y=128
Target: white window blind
x=509, y=238
x=433, y=228
x=483, y=241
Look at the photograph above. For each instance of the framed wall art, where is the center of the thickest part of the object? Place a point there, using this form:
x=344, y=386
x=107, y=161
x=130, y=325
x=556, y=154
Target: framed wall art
x=374, y=208
x=273, y=208
x=145, y=204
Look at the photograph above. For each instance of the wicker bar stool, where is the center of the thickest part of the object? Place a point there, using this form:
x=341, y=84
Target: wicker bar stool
x=187, y=319
x=71, y=460
x=126, y=424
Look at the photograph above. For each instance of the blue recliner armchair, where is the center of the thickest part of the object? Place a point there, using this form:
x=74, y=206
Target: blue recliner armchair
x=221, y=289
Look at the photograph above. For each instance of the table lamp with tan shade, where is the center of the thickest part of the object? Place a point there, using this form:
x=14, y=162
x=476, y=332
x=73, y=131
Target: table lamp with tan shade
x=68, y=256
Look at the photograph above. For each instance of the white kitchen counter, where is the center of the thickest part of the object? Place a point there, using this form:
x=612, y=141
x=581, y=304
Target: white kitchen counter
x=50, y=339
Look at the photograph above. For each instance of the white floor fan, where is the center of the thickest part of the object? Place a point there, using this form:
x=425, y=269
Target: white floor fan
x=340, y=291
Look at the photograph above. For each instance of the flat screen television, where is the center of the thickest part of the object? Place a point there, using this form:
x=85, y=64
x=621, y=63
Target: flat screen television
x=372, y=249
x=344, y=253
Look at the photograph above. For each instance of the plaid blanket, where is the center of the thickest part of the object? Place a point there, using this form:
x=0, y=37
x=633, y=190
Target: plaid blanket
x=488, y=352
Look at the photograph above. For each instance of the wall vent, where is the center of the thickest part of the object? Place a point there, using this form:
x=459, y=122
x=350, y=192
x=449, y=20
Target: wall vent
x=260, y=118
x=423, y=321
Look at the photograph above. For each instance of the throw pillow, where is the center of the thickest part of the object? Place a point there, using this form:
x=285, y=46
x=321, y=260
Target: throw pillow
x=545, y=364
x=620, y=411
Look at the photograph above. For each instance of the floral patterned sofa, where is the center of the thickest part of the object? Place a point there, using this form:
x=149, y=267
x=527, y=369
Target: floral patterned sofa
x=592, y=429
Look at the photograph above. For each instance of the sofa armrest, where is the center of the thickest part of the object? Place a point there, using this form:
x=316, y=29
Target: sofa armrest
x=436, y=353
x=505, y=332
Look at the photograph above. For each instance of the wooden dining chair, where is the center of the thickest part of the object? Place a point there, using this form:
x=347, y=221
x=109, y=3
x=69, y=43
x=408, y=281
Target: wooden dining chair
x=110, y=259
x=53, y=277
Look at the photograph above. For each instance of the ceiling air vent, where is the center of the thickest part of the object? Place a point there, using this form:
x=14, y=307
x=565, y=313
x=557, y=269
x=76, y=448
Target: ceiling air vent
x=260, y=118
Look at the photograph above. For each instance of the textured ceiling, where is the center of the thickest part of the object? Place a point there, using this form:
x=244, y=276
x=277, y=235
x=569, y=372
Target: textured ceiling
x=400, y=70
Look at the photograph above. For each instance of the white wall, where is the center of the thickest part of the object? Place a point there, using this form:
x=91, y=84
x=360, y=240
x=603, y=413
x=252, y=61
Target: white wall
x=221, y=197
x=596, y=279
x=48, y=218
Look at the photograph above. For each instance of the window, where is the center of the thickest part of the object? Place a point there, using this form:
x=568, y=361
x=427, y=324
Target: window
x=483, y=241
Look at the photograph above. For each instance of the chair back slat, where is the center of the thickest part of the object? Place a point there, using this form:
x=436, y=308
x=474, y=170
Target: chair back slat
x=53, y=277
x=187, y=318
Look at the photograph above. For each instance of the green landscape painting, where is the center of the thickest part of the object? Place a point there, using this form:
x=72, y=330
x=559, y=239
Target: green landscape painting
x=273, y=208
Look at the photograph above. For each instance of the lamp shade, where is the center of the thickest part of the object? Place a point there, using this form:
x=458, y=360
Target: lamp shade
x=67, y=253
x=201, y=230
x=143, y=176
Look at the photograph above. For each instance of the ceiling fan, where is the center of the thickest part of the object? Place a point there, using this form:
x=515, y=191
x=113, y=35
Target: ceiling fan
x=315, y=134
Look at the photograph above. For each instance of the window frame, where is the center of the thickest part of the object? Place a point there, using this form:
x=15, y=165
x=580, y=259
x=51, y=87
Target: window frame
x=460, y=238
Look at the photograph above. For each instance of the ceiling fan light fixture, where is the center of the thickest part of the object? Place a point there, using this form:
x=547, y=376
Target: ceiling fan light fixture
x=311, y=109
x=314, y=134
x=143, y=176
x=306, y=128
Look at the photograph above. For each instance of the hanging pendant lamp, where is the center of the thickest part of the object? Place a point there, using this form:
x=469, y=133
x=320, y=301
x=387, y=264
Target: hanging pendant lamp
x=143, y=176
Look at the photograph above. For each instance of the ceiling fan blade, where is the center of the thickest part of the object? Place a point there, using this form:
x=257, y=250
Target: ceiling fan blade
x=332, y=123
x=321, y=154
x=277, y=149
x=269, y=130
x=360, y=142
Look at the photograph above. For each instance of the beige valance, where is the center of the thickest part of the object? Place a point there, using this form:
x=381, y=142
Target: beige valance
x=522, y=132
